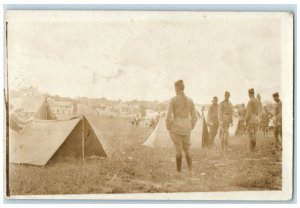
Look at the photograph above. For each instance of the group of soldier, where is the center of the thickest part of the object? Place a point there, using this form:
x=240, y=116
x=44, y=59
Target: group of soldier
x=181, y=119
x=251, y=119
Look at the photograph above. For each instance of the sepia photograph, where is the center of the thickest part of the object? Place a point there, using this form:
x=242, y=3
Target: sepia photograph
x=157, y=105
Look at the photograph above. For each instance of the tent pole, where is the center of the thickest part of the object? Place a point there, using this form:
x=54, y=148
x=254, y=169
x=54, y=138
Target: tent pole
x=82, y=139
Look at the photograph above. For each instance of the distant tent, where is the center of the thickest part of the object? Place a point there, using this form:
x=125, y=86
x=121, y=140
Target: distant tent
x=33, y=106
x=42, y=140
x=160, y=136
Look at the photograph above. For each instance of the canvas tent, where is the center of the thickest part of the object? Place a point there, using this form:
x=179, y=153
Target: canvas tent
x=160, y=137
x=33, y=106
x=42, y=140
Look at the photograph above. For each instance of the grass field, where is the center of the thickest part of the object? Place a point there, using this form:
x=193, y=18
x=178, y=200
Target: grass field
x=134, y=168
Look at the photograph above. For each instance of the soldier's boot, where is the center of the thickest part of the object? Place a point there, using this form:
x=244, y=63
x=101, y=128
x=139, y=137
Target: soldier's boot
x=178, y=162
x=189, y=161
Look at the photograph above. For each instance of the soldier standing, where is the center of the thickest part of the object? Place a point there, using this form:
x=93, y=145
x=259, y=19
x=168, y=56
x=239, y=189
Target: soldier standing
x=180, y=121
x=212, y=120
x=225, y=119
x=265, y=119
x=241, y=125
x=260, y=109
x=277, y=120
x=252, y=119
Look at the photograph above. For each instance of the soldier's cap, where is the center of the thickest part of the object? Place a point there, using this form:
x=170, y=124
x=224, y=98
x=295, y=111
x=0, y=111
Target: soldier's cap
x=251, y=91
x=226, y=92
x=215, y=98
x=276, y=94
x=179, y=84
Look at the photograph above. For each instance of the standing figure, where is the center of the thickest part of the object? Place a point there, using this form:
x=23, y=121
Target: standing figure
x=265, y=120
x=225, y=119
x=180, y=121
x=277, y=120
x=212, y=120
x=259, y=109
x=252, y=119
x=241, y=125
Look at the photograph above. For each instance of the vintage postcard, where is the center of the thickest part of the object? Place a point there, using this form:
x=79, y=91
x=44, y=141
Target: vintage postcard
x=148, y=105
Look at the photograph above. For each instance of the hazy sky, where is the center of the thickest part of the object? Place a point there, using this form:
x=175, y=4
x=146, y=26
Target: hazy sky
x=140, y=56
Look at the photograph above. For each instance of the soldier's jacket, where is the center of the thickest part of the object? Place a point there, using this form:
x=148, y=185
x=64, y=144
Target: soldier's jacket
x=225, y=112
x=181, y=117
x=252, y=112
x=278, y=113
x=212, y=114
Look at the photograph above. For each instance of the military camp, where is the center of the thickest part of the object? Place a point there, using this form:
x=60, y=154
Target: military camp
x=146, y=104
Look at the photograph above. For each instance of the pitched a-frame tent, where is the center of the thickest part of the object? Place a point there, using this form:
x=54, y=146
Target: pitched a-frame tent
x=36, y=106
x=160, y=137
x=43, y=140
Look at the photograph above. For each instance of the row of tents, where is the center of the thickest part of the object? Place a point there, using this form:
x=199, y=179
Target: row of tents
x=42, y=139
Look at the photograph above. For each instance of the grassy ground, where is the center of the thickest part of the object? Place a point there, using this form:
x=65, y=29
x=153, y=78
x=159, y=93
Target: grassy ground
x=135, y=168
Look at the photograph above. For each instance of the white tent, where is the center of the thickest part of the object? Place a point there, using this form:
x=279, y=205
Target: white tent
x=160, y=137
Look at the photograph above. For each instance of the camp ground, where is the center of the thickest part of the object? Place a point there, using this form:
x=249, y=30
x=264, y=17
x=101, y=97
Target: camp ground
x=33, y=106
x=43, y=140
x=160, y=137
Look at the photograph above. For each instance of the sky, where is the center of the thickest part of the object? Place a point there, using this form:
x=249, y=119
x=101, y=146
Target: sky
x=140, y=56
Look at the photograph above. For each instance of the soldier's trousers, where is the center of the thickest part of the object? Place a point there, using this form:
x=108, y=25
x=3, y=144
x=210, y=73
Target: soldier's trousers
x=277, y=133
x=182, y=142
x=252, y=128
x=213, y=130
x=224, y=134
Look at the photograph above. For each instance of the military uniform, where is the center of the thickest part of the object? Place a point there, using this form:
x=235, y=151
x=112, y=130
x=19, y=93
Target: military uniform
x=180, y=121
x=259, y=111
x=265, y=119
x=252, y=121
x=212, y=120
x=241, y=124
x=278, y=123
x=225, y=119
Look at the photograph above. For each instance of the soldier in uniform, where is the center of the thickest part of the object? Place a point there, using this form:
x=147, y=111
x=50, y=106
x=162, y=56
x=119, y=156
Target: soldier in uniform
x=241, y=124
x=225, y=119
x=265, y=119
x=277, y=120
x=181, y=119
x=252, y=119
x=260, y=111
x=260, y=108
x=212, y=120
